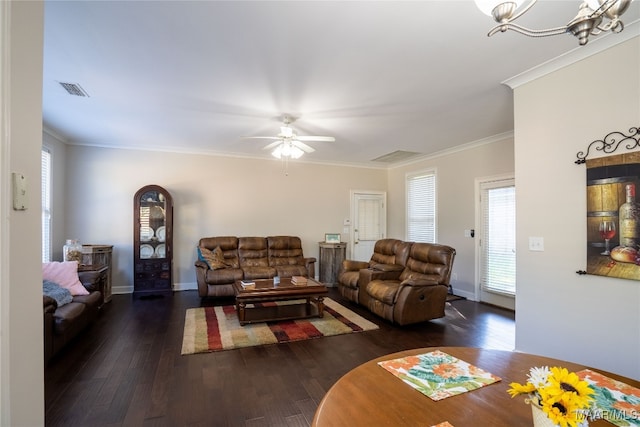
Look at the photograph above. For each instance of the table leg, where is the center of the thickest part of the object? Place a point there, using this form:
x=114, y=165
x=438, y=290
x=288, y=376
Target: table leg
x=320, y=304
x=240, y=306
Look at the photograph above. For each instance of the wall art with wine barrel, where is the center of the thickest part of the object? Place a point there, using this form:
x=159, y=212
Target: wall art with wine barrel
x=613, y=216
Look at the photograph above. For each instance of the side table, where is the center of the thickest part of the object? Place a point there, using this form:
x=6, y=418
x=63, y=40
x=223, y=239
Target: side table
x=331, y=257
x=99, y=255
x=95, y=276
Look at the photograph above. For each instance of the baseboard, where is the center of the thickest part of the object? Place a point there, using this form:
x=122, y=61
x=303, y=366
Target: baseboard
x=468, y=295
x=189, y=286
x=119, y=290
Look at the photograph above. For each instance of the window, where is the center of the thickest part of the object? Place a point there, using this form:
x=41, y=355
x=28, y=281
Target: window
x=46, y=204
x=498, y=263
x=421, y=207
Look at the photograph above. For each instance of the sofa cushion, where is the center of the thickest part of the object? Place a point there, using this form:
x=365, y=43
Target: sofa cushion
x=285, y=250
x=292, y=270
x=223, y=276
x=252, y=252
x=383, y=290
x=214, y=259
x=64, y=274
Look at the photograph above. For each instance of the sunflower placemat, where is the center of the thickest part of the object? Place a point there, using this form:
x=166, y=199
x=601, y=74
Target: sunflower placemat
x=438, y=375
x=615, y=401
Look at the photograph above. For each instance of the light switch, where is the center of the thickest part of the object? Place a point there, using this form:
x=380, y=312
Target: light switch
x=19, y=191
x=536, y=244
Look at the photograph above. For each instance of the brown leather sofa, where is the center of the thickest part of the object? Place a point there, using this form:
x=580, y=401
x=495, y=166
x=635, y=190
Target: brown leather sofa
x=412, y=285
x=251, y=258
x=62, y=324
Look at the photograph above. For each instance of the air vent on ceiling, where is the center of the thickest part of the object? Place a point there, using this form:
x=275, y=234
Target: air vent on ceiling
x=74, y=89
x=396, y=156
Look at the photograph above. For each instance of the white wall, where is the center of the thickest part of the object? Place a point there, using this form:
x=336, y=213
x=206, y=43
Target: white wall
x=586, y=319
x=21, y=345
x=456, y=175
x=213, y=196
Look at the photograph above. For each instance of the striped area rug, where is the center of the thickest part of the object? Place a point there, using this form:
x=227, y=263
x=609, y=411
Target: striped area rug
x=208, y=329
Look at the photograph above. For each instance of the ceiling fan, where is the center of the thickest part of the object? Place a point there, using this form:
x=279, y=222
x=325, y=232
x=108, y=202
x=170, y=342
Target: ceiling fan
x=288, y=144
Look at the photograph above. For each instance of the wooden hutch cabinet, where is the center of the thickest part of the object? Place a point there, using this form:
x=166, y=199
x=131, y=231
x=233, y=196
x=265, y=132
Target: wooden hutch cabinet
x=152, y=241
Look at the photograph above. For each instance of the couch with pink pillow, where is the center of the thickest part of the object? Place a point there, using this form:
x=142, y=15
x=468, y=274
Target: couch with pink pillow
x=70, y=304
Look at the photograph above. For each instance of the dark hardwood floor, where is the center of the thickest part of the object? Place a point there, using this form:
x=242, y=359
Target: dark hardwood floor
x=126, y=369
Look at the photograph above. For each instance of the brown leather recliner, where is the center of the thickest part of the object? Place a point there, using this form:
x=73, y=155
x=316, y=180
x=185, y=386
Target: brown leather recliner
x=351, y=278
x=419, y=292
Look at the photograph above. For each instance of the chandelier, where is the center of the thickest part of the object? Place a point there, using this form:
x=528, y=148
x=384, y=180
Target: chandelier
x=594, y=17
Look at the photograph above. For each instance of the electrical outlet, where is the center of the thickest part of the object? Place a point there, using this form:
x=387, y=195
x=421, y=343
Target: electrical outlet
x=536, y=244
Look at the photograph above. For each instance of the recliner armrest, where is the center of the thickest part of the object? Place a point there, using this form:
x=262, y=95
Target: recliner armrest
x=420, y=282
x=351, y=265
x=49, y=304
x=201, y=264
x=310, y=263
x=388, y=267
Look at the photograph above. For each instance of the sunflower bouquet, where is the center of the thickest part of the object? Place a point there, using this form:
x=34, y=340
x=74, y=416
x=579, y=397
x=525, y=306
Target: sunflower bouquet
x=561, y=394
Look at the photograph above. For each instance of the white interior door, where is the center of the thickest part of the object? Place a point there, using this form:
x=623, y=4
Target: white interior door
x=369, y=219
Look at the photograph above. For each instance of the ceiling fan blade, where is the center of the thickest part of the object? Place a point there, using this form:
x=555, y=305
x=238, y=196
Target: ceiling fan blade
x=273, y=144
x=316, y=138
x=304, y=147
x=262, y=137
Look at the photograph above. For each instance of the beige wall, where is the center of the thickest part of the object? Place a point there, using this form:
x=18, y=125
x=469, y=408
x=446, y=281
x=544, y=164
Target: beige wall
x=587, y=319
x=212, y=196
x=21, y=345
x=456, y=180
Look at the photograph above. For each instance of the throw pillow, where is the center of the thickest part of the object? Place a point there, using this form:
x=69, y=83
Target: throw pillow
x=64, y=274
x=214, y=259
x=57, y=292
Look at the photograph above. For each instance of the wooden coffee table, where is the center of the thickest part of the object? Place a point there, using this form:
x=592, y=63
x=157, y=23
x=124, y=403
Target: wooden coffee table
x=265, y=291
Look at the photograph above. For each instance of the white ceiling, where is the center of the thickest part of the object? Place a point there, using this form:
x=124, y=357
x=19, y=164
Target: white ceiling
x=185, y=76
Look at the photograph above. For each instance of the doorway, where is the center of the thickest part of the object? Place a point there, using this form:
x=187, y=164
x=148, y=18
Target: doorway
x=496, y=244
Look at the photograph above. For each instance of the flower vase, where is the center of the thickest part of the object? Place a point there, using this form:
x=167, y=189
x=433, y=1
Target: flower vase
x=540, y=419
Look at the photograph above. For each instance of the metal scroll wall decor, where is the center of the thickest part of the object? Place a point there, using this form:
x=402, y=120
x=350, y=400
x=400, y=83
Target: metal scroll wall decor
x=613, y=211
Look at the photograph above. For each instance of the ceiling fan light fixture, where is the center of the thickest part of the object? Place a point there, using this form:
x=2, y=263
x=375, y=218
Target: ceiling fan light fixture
x=287, y=150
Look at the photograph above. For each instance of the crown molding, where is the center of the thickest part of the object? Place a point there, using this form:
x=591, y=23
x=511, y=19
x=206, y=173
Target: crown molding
x=458, y=148
x=594, y=46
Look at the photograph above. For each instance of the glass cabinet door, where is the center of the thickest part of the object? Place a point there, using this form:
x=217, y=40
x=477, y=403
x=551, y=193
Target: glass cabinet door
x=153, y=227
x=153, y=213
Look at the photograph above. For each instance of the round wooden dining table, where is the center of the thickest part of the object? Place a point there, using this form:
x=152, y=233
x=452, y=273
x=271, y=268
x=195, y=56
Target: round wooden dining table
x=369, y=395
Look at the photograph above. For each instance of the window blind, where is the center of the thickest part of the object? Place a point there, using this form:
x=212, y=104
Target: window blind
x=499, y=240
x=46, y=204
x=369, y=219
x=421, y=207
